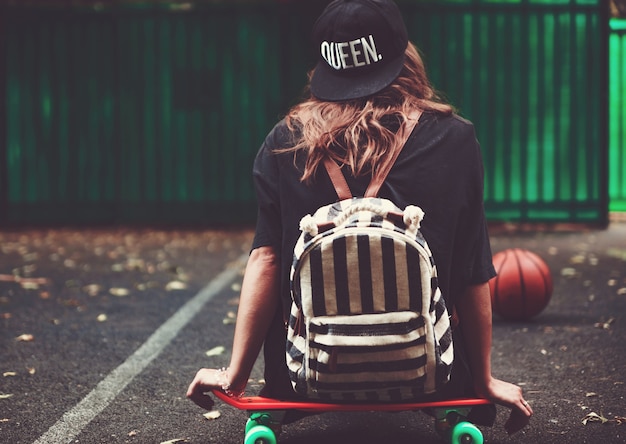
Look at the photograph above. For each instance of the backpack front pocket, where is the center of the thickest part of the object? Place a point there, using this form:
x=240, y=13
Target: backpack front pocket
x=366, y=353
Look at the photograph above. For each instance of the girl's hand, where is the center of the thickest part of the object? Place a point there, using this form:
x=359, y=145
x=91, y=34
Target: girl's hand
x=205, y=381
x=509, y=395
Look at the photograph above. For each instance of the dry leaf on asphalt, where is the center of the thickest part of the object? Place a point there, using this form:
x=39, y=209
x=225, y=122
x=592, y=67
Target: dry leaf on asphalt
x=5, y=396
x=26, y=285
x=175, y=285
x=604, y=325
x=6, y=374
x=120, y=292
x=568, y=272
x=213, y=414
x=174, y=441
x=25, y=338
x=594, y=417
x=231, y=318
x=92, y=289
x=216, y=351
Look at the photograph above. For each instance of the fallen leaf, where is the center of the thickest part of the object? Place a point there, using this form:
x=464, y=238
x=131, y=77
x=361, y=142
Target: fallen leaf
x=31, y=370
x=174, y=441
x=213, y=414
x=26, y=285
x=133, y=433
x=231, y=318
x=604, y=325
x=175, y=285
x=72, y=283
x=620, y=420
x=216, y=351
x=6, y=374
x=102, y=318
x=92, y=289
x=119, y=292
x=5, y=396
x=22, y=280
x=578, y=259
x=568, y=272
x=5, y=420
x=621, y=291
x=617, y=253
x=25, y=338
x=594, y=417
x=591, y=394
x=135, y=264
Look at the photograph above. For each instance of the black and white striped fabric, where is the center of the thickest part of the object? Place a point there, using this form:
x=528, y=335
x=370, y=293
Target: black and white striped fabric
x=367, y=322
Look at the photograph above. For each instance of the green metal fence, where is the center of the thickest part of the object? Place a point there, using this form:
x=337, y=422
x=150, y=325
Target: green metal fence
x=617, y=113
x=154, y=116
x=533, y=80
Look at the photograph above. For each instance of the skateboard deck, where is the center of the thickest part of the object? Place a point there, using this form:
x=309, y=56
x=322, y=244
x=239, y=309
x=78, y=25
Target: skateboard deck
x=266, y=414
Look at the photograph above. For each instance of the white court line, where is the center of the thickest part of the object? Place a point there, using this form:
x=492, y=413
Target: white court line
x=75, y=420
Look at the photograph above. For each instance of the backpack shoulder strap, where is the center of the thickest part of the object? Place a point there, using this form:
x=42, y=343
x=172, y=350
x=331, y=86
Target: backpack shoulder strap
x=339, y=181
x=377, y=182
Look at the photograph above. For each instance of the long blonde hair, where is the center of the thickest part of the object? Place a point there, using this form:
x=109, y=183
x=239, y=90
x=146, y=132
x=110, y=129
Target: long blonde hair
x=361, y=133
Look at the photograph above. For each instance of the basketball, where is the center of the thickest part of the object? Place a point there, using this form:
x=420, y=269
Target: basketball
x=523, y=286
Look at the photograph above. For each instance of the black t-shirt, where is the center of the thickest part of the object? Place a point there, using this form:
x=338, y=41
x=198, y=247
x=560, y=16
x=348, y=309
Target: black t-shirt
x=439, y=169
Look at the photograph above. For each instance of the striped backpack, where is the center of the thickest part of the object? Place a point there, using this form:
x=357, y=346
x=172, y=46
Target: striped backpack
x=367, y=320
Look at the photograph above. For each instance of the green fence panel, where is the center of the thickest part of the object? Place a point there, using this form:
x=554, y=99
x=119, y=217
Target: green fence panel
x=142, y=115
x=531, y=76
x=617, y=114
x=154, y=116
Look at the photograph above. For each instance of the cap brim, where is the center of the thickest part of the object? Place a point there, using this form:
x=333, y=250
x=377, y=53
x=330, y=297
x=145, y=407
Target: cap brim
x=331, y=85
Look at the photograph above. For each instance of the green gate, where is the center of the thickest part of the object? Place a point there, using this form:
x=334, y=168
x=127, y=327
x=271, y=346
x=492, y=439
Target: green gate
x=617, y=113
x=532, y=76
x=154, y=115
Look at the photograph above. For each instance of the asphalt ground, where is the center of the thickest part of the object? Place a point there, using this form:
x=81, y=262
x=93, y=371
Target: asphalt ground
x=101, y=331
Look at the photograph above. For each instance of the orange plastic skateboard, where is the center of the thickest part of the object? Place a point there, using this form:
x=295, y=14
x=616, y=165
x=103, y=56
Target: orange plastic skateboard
x=266, y=414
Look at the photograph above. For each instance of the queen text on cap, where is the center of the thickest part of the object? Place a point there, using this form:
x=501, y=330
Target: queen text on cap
x=352, y=54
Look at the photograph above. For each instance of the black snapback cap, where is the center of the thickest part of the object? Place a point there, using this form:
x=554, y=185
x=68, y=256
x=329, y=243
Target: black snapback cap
x=361, y=46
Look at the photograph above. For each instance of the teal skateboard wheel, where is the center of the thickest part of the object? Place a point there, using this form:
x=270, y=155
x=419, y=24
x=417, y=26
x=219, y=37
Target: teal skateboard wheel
x=466, y=433
x=260, y=434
